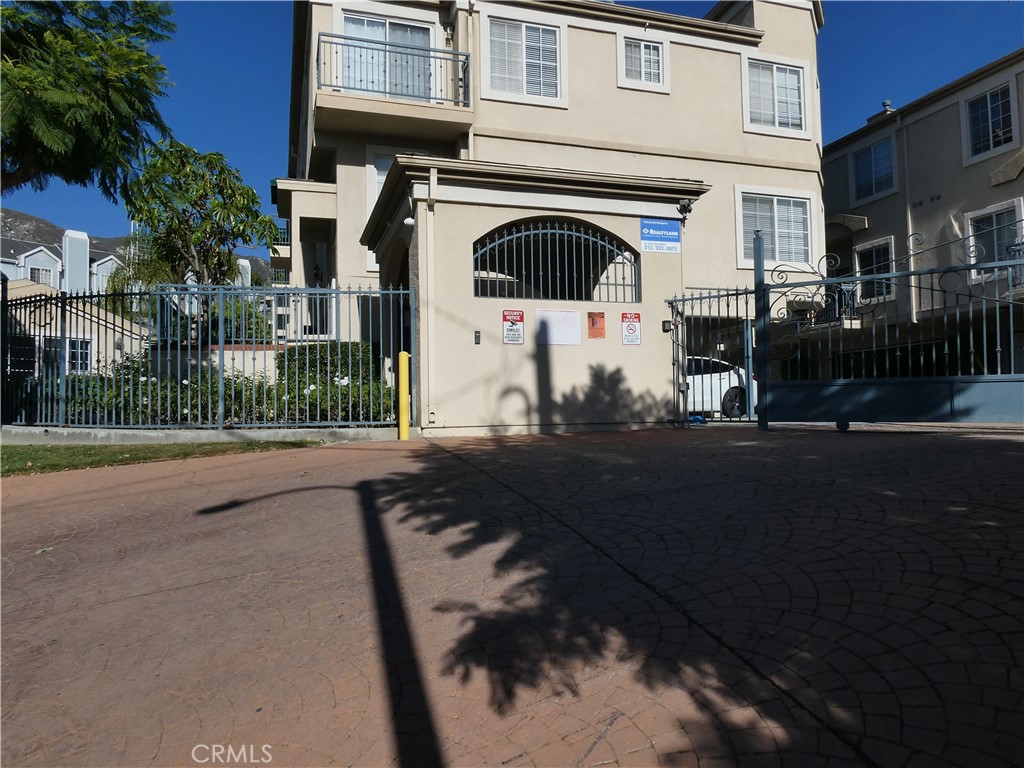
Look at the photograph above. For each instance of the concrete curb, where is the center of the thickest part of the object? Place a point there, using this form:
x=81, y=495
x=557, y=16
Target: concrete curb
x=78, y=436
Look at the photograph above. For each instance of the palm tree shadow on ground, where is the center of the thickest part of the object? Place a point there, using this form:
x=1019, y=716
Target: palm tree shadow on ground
x=732, y=572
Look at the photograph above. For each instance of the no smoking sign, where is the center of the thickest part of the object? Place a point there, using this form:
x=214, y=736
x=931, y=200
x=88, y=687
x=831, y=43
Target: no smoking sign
x=631, y=328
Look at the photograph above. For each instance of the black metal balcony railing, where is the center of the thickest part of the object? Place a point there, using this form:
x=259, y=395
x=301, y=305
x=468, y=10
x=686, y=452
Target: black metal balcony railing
x=405, y=72
x=284, y=235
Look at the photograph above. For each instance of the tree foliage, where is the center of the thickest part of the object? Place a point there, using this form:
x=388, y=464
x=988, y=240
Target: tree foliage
x=79, y=91
x=195, y=210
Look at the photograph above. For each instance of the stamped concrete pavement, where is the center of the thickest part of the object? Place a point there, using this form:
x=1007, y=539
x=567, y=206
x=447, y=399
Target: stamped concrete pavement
x=715, y=596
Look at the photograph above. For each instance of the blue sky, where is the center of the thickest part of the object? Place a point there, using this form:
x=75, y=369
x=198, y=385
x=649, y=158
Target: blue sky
x=230, y=63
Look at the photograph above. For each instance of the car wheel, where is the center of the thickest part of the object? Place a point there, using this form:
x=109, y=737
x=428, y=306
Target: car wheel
x=734, y=403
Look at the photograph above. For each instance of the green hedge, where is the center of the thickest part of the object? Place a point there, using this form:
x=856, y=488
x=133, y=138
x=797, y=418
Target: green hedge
x=128, y=395
x=326, y=362
x=243, y=320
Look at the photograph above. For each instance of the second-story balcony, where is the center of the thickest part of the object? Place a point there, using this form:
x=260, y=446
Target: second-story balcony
x=391, y=88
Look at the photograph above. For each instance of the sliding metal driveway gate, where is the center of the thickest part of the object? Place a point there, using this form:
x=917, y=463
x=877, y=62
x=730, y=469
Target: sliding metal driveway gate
x=204, y=357
x=928, y=344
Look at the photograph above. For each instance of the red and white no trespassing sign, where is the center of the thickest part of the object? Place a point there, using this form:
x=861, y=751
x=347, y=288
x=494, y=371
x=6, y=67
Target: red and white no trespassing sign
x=512, y=326
x=630, y=328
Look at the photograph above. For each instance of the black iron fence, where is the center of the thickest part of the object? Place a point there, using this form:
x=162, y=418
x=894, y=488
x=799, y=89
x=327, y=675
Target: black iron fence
x=950, y=321
x=943, y=343
x=204, y=357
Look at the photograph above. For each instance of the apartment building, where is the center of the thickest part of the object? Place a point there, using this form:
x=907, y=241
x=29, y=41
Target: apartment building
x=545, y=175
x=937, y=181
x=70, y=266
x=932, y=195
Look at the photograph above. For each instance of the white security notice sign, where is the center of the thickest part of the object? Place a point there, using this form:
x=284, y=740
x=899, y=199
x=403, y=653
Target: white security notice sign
x=630, y=328
x=513, y=331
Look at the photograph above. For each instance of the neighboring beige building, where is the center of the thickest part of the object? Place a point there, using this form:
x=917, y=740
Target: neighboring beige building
x=86, y=338
x=935, y=183
x=527, y=167
x=934, y=188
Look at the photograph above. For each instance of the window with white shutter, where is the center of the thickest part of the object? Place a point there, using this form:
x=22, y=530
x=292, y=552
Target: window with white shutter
x=775, y=98
x=541, y=61
x=524, y=59
x=785, y=227
x=643, y=63
x=506, y=56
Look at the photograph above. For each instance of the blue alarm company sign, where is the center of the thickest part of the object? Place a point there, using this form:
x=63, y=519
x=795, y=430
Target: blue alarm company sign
x=660, y=235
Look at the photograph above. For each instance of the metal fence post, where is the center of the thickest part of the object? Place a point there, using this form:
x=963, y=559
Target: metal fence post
x=220, y=358
x=676, y=363
x=6, y=409
x=62, y=363
x=762, y=338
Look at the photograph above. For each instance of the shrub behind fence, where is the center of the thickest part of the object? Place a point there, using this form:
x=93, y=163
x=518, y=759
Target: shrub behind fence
x=204, y=357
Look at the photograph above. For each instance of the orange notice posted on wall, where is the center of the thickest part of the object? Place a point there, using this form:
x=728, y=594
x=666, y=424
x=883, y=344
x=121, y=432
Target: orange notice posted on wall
x=595, y=325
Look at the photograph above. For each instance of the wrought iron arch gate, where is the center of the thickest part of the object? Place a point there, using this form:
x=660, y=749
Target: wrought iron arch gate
x=941, y=342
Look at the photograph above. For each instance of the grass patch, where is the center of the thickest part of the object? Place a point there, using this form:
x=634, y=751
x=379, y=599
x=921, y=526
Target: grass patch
x=35, y=459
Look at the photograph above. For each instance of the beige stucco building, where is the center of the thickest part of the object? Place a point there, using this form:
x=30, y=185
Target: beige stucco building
x=544, y=175
x=932, y=194
x=935, y=183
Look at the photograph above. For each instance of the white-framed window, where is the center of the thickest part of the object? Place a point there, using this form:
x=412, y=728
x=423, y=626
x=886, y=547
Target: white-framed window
x=79, y=355
x=643, y=64
x=874, y=258
x=991, y=119
x=378, y=162
x=785, y=225
x=525, y=60
x=873, y=170
x=381, y=56
x=775, y=99
x=41, y=275
x=992, y=231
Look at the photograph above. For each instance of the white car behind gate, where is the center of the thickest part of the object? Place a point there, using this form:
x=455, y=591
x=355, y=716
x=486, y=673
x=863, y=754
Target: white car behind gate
x=715, y=386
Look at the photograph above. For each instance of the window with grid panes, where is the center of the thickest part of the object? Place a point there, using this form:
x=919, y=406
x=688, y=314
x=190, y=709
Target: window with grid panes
x=992, y=234
x=990, y=121
x=41, y=275
x=872, y=169
x=875, y=260
x=776, y=97
x=784, y=223
x=643, y=61
x=524, y=58
x=78, y=355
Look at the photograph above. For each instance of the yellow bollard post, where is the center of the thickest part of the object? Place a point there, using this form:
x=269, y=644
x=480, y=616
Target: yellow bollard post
x=403, y=395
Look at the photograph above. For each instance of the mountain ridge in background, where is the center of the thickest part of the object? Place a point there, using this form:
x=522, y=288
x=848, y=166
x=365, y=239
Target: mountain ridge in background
x=20, y=232
x=26, y=228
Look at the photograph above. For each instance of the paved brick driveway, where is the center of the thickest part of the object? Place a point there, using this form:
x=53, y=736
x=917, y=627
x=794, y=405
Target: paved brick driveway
x=706, y=597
